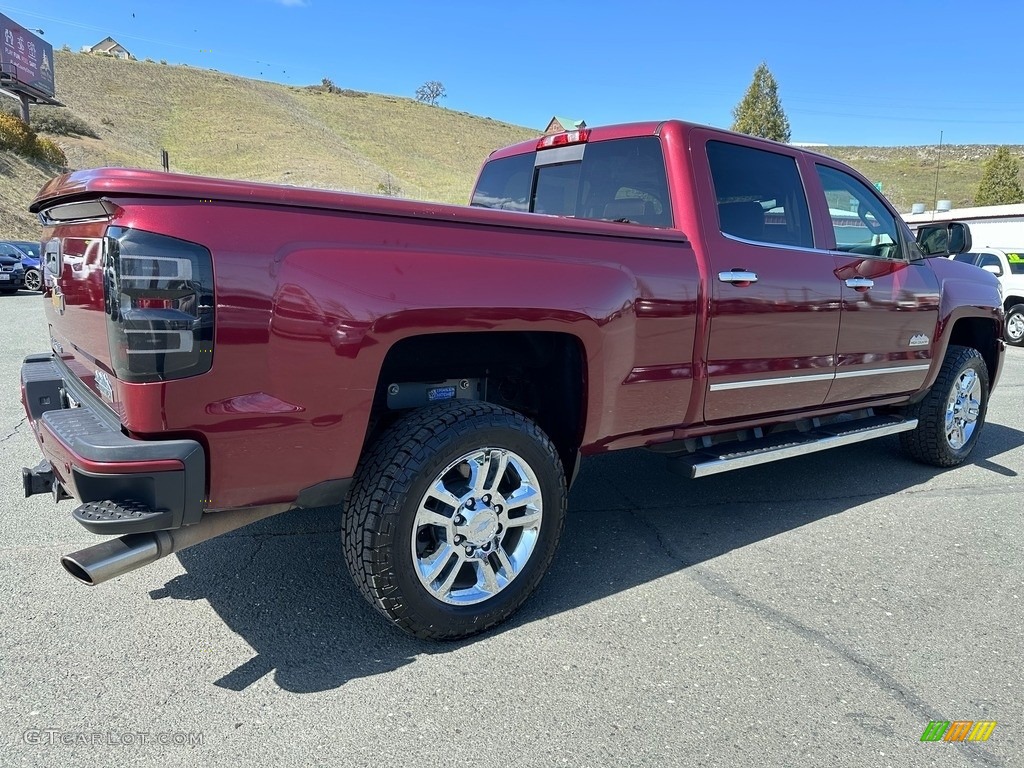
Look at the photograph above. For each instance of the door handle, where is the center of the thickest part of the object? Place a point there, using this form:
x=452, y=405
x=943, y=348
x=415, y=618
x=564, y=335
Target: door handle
x=860, y=283
x=738, y=277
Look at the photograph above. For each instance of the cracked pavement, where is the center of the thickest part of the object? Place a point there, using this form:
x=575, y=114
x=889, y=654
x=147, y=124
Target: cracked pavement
x=817, y=611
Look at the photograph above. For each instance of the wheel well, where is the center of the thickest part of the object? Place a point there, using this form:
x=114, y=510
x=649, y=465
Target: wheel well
x=540, y=374
x=982, y=335
x=1012, y=301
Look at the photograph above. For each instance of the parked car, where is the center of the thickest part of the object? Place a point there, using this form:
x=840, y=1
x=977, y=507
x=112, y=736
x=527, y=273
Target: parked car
x=12, y=273
x=1008, y=265
x=29, y=254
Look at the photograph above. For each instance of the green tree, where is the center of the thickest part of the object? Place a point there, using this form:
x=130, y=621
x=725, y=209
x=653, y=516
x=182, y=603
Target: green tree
x=1000, y=181
x=760, y=112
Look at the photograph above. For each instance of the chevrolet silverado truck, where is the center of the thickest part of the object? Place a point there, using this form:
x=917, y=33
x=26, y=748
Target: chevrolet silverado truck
x=223, y=351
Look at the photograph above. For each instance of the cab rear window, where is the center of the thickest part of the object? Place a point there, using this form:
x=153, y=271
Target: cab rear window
x=622, y=180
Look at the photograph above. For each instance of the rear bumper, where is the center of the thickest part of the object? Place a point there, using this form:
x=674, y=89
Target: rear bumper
x=125, y=485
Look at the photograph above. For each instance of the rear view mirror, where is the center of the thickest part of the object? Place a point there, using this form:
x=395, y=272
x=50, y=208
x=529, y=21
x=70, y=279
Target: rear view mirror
x=994, y=269
x=944, y=239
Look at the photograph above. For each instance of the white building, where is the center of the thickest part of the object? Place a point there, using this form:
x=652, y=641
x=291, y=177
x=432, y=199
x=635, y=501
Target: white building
x=992, y=226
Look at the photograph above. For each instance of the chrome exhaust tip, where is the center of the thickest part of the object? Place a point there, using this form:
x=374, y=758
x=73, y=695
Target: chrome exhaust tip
x=105, y=561
x=112, y=558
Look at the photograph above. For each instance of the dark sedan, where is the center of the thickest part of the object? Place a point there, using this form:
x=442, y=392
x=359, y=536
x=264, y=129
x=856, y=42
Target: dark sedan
x=27, y=253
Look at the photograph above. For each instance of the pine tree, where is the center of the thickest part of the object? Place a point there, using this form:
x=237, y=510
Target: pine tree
x=760, y=112
x=1000, y=182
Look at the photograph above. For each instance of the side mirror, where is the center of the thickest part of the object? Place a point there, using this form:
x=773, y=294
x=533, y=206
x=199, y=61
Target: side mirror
x=944, y=239
x=994, y=269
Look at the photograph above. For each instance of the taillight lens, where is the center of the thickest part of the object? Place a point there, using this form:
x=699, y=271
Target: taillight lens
x=580, y=136
x=159, y=302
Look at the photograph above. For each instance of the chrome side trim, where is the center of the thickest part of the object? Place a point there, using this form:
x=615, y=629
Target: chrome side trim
x=722, y=386
x=764, y=244
x=879, y=371
x=771, y=382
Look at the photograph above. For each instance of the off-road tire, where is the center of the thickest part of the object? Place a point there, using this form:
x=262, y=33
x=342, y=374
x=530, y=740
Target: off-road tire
x=380, y=514
x=929, y=442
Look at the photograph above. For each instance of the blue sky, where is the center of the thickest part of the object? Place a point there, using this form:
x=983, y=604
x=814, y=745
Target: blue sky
x=864, y=72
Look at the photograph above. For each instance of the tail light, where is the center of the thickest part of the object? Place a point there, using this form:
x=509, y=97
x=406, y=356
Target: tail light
x=158, y=292
x=580, y=136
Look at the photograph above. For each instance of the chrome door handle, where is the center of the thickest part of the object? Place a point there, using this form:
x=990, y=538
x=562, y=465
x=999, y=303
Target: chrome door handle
x=737, y=276
x=860, y=283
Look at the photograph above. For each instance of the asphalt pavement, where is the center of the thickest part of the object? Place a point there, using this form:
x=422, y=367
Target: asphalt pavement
x=815, y=612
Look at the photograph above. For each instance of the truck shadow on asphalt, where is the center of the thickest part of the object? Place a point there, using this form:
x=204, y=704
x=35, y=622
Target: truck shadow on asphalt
x=282, y=584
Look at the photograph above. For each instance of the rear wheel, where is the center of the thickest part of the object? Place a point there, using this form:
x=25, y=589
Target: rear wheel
x=33, y=280
x=1015, y=325
x=453, y=518
x=951, y=415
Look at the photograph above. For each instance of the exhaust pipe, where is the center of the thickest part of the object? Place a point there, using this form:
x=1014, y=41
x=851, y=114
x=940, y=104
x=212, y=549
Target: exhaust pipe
x=115, y=557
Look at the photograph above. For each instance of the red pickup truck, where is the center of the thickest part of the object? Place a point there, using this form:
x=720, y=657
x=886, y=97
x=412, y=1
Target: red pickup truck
x=224, y=351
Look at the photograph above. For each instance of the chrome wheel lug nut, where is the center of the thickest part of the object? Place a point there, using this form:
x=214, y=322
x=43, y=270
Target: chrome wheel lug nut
x=486, y=499
x=469, y=551
x=459, y=538
x=470, y=503
x=459, y=520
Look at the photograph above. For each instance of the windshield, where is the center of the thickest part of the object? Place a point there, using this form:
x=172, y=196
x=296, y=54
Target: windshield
x=32, y=249
x=1016, y=262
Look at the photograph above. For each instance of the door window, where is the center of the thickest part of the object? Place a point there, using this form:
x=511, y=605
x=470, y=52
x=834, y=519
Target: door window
x=759, y=194
x=861, y=222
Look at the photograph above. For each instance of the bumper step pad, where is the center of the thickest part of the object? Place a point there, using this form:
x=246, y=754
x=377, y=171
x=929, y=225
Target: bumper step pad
x=117, y=517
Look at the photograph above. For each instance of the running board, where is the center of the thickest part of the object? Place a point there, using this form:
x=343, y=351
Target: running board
x=729, y=456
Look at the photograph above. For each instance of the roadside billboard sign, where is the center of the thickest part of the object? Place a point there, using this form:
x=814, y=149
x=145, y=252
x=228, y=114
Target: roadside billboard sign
x=26, y=60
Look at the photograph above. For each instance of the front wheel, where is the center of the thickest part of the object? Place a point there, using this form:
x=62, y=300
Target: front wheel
x=951, y=415
x=453, y=518
x=1015, y=325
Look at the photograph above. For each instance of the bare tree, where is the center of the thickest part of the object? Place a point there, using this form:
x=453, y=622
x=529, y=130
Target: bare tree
x=431, y=92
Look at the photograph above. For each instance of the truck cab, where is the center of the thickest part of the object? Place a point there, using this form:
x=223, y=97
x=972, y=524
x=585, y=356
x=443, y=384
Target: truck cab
x=1007, y=264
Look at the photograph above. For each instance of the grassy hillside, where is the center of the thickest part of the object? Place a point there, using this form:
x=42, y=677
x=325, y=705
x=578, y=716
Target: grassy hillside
x=908, y=174
x=20, y=179
x=222, y=125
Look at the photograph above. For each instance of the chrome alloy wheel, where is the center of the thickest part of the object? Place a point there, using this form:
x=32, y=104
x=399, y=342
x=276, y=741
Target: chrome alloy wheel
x=33, y=280
x=477, y=526
x=1015, y=327
x=963, y=408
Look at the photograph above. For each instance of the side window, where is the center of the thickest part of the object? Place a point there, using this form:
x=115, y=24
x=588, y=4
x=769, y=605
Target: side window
x=988, y=260
x=966, y=258
x=861, y=222
x=505, y=183
x=759, y=194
